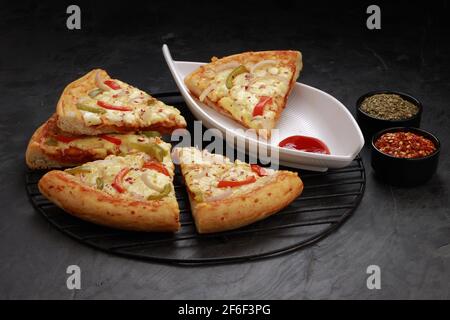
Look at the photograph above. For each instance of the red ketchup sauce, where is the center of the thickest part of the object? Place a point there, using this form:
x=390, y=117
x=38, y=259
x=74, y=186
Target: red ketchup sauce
x=304, y=143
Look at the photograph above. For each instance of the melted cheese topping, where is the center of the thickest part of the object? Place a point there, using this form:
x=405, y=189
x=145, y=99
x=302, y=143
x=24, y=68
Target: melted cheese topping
x=202, y=172
x=99, y=148
x=270, y=80
x=134, y=185
x=145, y=110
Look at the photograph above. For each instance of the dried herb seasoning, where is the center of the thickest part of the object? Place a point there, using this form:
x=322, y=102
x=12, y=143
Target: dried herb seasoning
x=389, y=107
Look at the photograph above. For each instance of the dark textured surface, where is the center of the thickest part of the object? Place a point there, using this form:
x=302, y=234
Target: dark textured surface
x=404, y=231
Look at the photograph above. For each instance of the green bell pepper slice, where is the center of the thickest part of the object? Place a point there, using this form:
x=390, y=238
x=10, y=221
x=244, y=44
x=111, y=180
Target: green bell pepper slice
x=51, y=142
x=81, y=106
x=100, y=183
x=166, y=190
x=151, y=134
x=233, y=74
x=78, y=170
x=95, y=93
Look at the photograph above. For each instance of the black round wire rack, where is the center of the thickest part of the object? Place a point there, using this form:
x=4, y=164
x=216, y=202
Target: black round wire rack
x=328, y=200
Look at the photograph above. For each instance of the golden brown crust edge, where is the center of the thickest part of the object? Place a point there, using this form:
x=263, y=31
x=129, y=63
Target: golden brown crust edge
x=98, y=207
x=75, y=124
x=240, y=211
x=35, y=158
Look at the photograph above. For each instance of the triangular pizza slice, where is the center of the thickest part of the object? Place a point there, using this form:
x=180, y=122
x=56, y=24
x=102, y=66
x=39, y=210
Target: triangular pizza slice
x=96, y=104
x=50, y=147
x=134, y=192
x=226, y=195
x=251, y=88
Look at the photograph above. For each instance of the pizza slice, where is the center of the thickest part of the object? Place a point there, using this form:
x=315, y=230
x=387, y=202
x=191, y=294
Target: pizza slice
x=96, y=104
x=50, y=147
x=134, y=192
x=226, y=195
x=251, y=88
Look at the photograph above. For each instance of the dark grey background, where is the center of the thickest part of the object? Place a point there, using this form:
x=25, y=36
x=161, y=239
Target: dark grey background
x=404, y=231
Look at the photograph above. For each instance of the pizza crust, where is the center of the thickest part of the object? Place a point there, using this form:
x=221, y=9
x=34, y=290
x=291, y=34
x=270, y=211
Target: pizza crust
x=236, y=212
x=98, y=207
x=70, y=118
x=36, y=158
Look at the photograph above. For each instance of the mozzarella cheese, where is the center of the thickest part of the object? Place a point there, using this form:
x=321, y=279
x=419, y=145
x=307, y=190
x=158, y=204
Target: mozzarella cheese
x=145, y=110
x=129, y=117
x=132, y=182
x=269, y=79
x=113, y=116
x=202, y=172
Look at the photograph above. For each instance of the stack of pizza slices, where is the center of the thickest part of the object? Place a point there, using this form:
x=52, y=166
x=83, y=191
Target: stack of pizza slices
x=108, y=133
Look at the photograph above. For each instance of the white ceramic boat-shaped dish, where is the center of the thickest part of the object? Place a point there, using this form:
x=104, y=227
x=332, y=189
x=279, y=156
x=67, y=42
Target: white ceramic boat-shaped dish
x=309, y=112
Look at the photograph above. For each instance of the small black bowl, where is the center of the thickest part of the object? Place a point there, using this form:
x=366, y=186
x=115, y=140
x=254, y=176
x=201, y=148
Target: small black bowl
x=404, y=171
x=370, y=125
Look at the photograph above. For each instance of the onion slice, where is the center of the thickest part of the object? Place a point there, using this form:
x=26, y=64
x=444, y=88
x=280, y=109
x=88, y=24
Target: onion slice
x=262, y=63
x=206, y=92
x=99, y=82
x=220, y=196
x=145, y=177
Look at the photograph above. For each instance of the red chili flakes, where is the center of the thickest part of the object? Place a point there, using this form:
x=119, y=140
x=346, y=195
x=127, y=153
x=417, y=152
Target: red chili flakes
x=130, y=180
x=405, y=145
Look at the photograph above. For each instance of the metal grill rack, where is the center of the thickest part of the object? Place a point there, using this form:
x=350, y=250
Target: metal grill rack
x=328, y=199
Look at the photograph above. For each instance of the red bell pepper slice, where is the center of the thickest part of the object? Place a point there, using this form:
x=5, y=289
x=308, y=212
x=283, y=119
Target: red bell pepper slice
x=258, y=170
x=229, y=183
x=112, y=84
x=157, y=167
x=116, y=141
x=117, y=183
x=111, y=107
x=259, y=108
x=65, y=139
